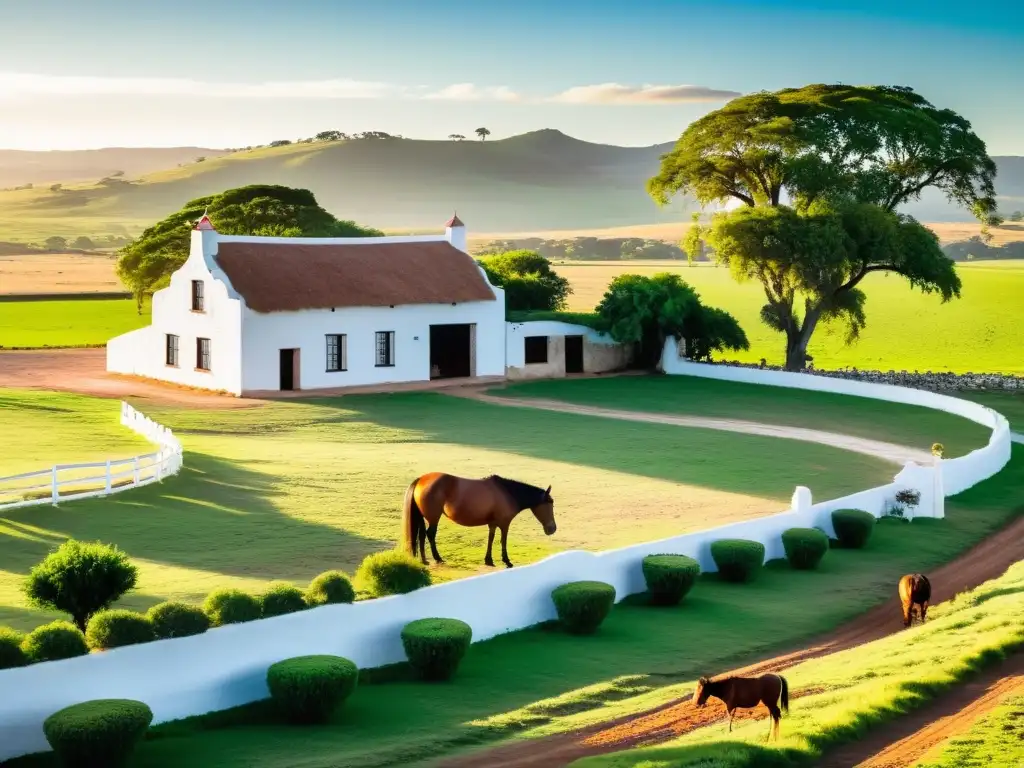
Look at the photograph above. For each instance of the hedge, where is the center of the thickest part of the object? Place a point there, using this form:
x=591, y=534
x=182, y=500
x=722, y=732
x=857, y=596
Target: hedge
x=11, y=654
x=231, y=606
x=329, y=588
x=435, y=647
x=392, y=573
x=308, y=689
x=804, y=547
x=738, y=560
x=172, y=619
x=116, y=628
x=669, y=577
x=853, y=527
x=280, y=598
x=98, y=733
x=54, y=641
x=582, y=605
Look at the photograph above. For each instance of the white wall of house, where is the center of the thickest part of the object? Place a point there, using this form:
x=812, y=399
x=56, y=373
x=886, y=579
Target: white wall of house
x=600, y=352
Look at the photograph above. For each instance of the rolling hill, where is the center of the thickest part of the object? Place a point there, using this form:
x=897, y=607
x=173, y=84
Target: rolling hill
x=19, y=167
x=535, y=181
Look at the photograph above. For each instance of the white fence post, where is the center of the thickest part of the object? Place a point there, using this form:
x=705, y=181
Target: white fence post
x=135, y=471
x=108, y=476
x=54, y=492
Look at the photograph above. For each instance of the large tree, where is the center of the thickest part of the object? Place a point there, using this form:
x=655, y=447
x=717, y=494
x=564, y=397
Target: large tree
x=147, y=263
x=528, y=280
x=837, y=161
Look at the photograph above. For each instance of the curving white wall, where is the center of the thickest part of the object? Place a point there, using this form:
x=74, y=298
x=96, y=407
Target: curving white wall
x=226, y=667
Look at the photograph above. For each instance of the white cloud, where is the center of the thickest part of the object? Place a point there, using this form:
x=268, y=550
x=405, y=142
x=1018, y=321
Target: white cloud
x=615, y=93
x=470, y=92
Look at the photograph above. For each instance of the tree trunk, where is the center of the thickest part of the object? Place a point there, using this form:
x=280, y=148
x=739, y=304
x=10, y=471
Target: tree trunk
x=797, y=340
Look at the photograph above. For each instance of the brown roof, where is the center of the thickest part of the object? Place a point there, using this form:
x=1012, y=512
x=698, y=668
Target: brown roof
x=285, y=277
x=454, y=221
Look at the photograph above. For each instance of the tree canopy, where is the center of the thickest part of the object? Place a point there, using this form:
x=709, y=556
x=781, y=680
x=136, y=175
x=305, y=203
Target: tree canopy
x=270, y=210
x=528, y=280
x=820, y=172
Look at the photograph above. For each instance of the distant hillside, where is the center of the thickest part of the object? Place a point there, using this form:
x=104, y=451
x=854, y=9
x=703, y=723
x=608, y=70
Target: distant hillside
x=536, y=181
x=18, y=168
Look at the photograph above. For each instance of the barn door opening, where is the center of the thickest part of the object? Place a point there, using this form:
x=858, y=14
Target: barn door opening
x=574, y=354
x=451, y=352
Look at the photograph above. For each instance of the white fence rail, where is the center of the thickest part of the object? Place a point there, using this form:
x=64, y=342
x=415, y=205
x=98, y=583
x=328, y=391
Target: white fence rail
x=226, y=667
x=66, y=482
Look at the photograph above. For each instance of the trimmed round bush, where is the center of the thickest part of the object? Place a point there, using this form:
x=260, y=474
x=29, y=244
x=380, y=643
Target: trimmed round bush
x=308, y=689
x=436, y=646
x=804, y=547
x=329, y=588
x=281, y=598
x=94, y=734
x=392, y=573
x=231, y=606
x=738, y=560
x=54, y=641
x=116, y=627
x=853, y=527
x=172, y=619
x=583, y=605
x=669, y=577
x=11, y=654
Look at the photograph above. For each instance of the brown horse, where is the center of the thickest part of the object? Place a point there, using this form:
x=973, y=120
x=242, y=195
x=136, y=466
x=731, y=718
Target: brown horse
x=914, y=589
x=747, y=693
x=493, y=501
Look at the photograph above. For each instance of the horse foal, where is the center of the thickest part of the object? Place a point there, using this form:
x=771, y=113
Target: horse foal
x=747, y=693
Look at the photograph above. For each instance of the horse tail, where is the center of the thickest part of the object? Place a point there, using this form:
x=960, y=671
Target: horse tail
x=784, y=697
x=412, y=519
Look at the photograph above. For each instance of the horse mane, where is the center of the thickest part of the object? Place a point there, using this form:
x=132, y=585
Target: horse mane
x=523, y=494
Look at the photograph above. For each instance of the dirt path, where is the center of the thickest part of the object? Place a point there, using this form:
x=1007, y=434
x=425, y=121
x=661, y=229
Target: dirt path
x=897, y=454
x=983, y=562
x=903, y=742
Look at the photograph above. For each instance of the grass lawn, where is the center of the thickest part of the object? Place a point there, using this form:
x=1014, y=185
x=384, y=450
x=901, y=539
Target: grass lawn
x=996, y=739
x=539, y=681
x=1010, y=404
x=862, y=686
x=906, y=329
x=287, y=490
x=67, y=323
x=688, y=395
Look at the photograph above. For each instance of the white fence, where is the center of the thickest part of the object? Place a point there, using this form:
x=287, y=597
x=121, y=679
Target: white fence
x=226, y=667
x=65, y=482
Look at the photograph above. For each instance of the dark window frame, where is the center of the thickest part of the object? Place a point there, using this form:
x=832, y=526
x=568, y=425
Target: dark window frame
x=387, y=348
x=172, y=346
x=337, y=352
x=531, y=352
x=203, y=356
x=198, y=296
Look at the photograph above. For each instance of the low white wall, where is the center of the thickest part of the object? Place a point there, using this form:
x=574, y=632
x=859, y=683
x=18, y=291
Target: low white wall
x=601, y=353
x=226, y=667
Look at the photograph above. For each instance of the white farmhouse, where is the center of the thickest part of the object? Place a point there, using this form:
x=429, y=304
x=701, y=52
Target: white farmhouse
x=256, y=314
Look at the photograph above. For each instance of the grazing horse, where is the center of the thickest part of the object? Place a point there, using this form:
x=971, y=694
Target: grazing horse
x=747, y=693
x=493, y=501
x=914, y=589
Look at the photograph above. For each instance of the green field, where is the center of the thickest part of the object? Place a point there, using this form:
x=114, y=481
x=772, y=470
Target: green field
x=539, y=681
x=67, y=323
x=860, y=687
x=996, y=739
x=290, y=489
x=906, y=330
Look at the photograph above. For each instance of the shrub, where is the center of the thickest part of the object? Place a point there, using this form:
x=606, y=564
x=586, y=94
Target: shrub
x=281, y=598
x=330, y=587
x=177, y=620
x=112, y=629
x=738, y=560
x=853, y=527
x=54, y=641
x=307, y=689
x=804, y=547
x=436, y=646
x=230, y=606
x=11, y=654
x=80, y=579
x=583, y=605
x=97, y=733
x=392, y=573
x=669, y=577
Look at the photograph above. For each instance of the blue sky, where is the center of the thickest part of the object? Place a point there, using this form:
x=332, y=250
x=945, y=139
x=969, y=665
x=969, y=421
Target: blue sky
x=233, y=73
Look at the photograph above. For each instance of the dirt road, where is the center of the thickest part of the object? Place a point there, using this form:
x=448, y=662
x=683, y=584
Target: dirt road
x=985, y=561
